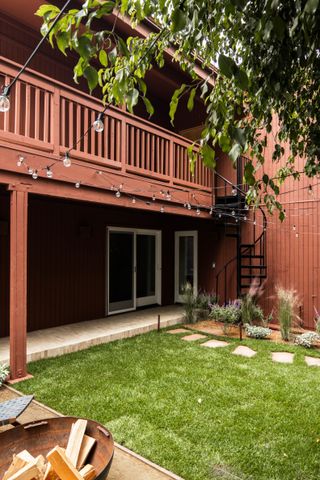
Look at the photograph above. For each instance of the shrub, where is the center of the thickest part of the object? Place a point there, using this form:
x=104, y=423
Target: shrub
x=287, y=306
x=250, y=311
x=307, y=339
x=4, y=372
x=230, y=313
x=257, y=332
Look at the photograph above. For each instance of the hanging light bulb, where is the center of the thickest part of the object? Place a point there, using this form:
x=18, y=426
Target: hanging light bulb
x=168, y=195
x=246, y=207
x=118, y=194
x=133, y=200
x=153, y=198
x=254, y=222
x=198, y=211
x=189, y=206
x=211, y=211
x=98, y=124
x=30, y=171
x=49, y=172
x=121, y=186
x=162, y=209
x=297, y=235
x=35, y=174
x=310, y=191
x=66, y=160
x=4, y=100
x=244, y=218
x=219, y=215
x=77, y=184
x=294, y=228
x=233, y=212
x=237, y=220
x=20, y=160
x=234, y=191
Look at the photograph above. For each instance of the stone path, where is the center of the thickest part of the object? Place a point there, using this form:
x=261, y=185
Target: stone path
x=242, y=350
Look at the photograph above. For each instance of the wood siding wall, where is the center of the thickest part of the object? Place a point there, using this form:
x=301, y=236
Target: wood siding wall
x=66, y=258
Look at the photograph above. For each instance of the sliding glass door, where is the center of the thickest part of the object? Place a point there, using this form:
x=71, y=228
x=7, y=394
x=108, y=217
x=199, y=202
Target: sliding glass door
x=186, y=262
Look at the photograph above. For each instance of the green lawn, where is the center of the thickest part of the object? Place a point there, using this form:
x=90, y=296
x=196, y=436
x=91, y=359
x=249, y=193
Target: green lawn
x=196, y=411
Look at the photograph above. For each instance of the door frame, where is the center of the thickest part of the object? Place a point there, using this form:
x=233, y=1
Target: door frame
x=177, y=235
x=158, y=268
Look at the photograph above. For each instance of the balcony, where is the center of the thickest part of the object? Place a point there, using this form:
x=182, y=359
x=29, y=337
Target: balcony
x=49, y=117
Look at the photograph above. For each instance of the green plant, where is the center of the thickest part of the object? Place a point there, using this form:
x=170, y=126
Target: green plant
x=307, y=339
x=287, y=306
x=250, y=311
x=317, y=320
x=254, y=331
x=4, y=372
x=229, y=314
x=189, y=302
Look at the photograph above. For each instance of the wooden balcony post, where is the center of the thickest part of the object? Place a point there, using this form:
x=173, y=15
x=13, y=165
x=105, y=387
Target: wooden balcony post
x=18, y=284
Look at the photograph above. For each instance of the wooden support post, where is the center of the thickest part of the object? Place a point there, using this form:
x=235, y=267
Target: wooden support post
x=159, y=323
x=18, y=284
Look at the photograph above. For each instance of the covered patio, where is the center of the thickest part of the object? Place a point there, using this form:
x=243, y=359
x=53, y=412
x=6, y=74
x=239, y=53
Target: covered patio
x=52, y=342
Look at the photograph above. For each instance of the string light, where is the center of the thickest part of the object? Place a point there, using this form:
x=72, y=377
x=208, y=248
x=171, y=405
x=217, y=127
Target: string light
x=77, y=184
x=30, y=171
x=310, y=191
x=98, y=124
x=234, y=191
x=67, y=160
x=118, y=194
x=133, y=200
x=294, y=228
x=162, y=209
x=153, y=198
x=168, y=195
x=189, y=206
x=244, y=218
x=297, y=235
x=254, y=223
x=198, y=211
x=49, y=172
x=20, y=160
x=35, y=174
x=219, y=215
x=4, y=100
x=233, y=212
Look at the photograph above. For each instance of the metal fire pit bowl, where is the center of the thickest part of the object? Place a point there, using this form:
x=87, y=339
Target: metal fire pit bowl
x=40, y=437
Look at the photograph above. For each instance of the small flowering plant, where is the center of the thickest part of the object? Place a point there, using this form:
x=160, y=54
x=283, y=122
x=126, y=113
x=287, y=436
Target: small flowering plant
x=307, y=339
x=4, y=372
x=254, y=331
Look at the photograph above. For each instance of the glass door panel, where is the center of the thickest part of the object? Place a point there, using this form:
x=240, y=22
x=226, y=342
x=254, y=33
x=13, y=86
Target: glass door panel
x=185, y=262
x=121, y=271
x=146, y=266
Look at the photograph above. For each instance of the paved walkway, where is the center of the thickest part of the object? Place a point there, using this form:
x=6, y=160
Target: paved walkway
x=52, y=342
x=126, y=465
x=240, y=350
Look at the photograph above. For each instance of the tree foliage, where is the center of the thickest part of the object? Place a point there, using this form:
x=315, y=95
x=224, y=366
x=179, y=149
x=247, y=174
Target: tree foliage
x=268, y=55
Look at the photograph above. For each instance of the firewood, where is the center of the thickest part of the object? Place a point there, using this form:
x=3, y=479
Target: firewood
x=86, y=446
x=16, y=465
x=75, y=440
x=26, y=456
x=62, y=465
x=28, y=472
x=88, y=472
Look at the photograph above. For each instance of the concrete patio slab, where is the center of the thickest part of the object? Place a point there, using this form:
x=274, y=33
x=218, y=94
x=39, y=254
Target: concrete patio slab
x=244, y=351
x=282, y=357
x=312, y=361
x=194, y=337
x=178, y=330
x=52, y=342
x=126, y=464
x=215, y=344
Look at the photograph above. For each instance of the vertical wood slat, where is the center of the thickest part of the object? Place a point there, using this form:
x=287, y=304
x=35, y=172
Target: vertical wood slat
x=78, y=126
x=152, y=152
x=124, y=145
x=46, y=117
x=84, y=129
x=137, y=149
x=132, y=145
x=92, y=133
x=148, y=164
x=119, y=140
x=112, y=139
x=57, y=118
x=106, y=137
x=27, y=112
x=17, y=108
x=143, y=150
x=37, y=114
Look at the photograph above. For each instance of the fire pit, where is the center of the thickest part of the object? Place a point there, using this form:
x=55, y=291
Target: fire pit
x=41, y=437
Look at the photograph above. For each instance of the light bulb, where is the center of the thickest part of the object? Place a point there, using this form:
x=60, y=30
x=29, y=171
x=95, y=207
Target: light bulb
x=247, y=207
x=310, y=191
x=234, y=191
x=30, y=171
x=4, y=103
x=244, y=218
x=219, y=215
x=294, y=227
x=211, y=210
x=189, y=206
x=77, y=184
x=153, y=198
x=35, y=175
x=168, y=195
x=118, y=194
x=237, y=220
x=20, y=160
x=133, y=200
x=66, y=160
x=162, y=209
x=49, y=172
x=233, y=212
x=254, y=223
x=297, y=235
x=198, y=211
x=98, y=124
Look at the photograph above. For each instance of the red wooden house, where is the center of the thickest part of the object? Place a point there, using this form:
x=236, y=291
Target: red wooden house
x=126, y=225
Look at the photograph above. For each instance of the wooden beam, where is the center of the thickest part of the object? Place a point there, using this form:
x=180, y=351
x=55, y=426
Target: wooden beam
x=86, y=447
x=62, y=465
x=75, y=440
x=88, y=472
x=18, y=284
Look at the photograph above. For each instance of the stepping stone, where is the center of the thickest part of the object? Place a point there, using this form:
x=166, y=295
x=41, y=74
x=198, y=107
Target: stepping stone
x=214, y=344
x=244, y=351
x=178, y=330
x=312, y=362
x=195, y=336
x=282, y=357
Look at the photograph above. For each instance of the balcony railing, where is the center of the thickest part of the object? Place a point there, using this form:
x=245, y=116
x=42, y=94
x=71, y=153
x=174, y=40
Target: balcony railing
x=51, y=116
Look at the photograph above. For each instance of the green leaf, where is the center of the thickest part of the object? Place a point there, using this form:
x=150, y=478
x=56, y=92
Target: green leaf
x=103, y=58
x=175, y=100
x=265, y=179
x=84, y=47
x=238, y=134
x=123, y=47
x=190, y=103
x=235, y=152
x=227, y=66
x=62, y=39
x=179, y=20
x=91, y=76
x=242, y=79
x=282, y=216
x=208, y=156
x=132, y=98
x=148, y=105
x=44, y=9
x=311, y=6
x=248, y=173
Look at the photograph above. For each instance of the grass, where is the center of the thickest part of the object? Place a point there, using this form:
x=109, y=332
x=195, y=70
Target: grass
x=202, y=413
